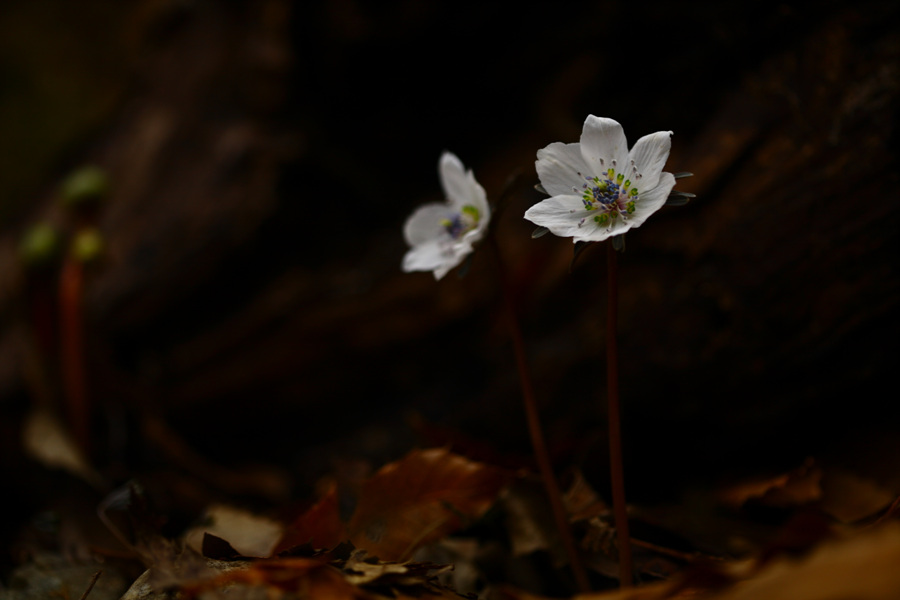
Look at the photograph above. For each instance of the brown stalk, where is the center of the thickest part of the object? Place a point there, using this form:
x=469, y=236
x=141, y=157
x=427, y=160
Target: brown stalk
x=542, y=456
x=71, y=328
x=617, y=474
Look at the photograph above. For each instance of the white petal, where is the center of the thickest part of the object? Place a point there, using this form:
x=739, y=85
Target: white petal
x=457, y=188
x=460, y=186
x=424, y=224
x=651, y=201
x=649, y=155
x=562, y=215
x=565, y=216
x=558, y=167
x=604, y=139
x=445, y=268
x=436, y=257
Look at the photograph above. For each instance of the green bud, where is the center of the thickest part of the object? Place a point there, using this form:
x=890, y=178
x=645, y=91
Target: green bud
x=85, y=185
x=87, y=245
x=39, y=245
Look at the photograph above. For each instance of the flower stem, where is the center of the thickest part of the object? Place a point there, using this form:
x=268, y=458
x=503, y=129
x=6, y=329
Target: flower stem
x=542, y=456
x=72, y=351
x=617, y=475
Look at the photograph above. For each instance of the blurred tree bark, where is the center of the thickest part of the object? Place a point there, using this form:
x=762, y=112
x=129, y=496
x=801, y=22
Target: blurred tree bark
x=251, y=283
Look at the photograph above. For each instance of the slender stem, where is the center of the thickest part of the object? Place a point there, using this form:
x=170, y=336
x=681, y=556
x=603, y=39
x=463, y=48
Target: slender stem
x=72, y=351
x=617, y=474
x=536, y=432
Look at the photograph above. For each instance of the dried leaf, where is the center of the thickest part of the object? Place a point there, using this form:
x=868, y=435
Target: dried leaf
x=795, y=488
x=850, y=498
x=420, y=498
x=320, y=526
x=250, y=535
x=310, y=577
x=357, y=578
x=47, y=441
x=416, y=500
x=581, y=500
x=863, y=567
x=529, y=520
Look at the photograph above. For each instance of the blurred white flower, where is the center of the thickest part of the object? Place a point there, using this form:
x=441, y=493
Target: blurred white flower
x=442, y=234
x=598, y=188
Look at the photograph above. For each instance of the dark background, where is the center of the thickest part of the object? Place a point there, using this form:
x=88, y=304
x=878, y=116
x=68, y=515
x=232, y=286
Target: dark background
x=263, y=157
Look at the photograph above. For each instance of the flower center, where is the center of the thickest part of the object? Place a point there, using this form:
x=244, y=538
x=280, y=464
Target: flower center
x=610, y=194
x=462, y=222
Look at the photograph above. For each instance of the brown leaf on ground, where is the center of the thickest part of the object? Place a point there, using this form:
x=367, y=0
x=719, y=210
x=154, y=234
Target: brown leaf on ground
x=861, y=566
x=250, y=535
x=320, y=526
x=406, y=504
x=850, y=497
x=310, y=577
x=357, y=578
x=795, y=488
x=581, y=500
x=421, y=498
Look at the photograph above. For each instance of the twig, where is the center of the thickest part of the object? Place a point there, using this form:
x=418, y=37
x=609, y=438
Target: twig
x=91, y=585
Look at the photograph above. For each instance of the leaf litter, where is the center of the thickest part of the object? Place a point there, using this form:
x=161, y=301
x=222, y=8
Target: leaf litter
x=435, y=524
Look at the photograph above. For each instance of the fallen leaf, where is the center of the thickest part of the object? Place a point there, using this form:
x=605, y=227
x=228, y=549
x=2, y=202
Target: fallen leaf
x=420, y=498
x=357, y=578
x=46, y=440
x=581, y=500
x=310, y=577
x=863, y=567
x=795, y=488
x=850, y=498
x=320, y=526
x=250, y=535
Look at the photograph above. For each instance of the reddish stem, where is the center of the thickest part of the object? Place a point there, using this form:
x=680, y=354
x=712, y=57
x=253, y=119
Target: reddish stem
x=541, y=454
x=71, y=283
x=617, y=475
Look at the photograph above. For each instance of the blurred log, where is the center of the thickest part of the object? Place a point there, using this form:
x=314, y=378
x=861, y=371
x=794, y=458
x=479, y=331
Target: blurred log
x=252, y=285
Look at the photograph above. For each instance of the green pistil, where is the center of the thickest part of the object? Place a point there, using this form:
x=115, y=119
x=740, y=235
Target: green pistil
x=602, y=219
x=611, y=173
x=633, y=192
x=472, y=212
x=630, y=207
x=620, y=178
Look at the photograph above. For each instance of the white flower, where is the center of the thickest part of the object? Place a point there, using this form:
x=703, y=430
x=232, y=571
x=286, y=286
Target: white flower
x=598, y=188
x=442, y=233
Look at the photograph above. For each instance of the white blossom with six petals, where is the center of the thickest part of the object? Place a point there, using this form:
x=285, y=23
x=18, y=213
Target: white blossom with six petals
x=442, y=234
x=598, y=189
